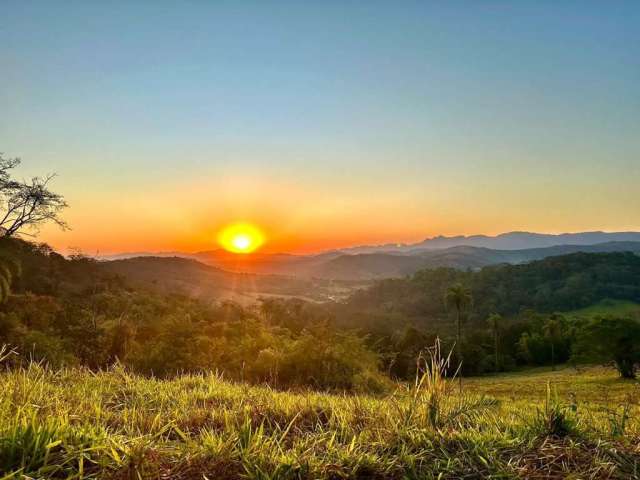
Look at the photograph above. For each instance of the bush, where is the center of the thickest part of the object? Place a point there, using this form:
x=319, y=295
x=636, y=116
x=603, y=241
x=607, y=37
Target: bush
x=40, y=347
x=609, y=339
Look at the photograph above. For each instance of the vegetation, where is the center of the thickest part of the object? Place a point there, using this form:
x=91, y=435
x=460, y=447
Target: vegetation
x=608, y=307
x=70, y=312
x=459, y=297
x=24, y=206
x=494, y=322
x=108, y=378
x=543, y=306
x=611, y=339
x=9, y=270
x=116, y=425
x=77, y=312
x=555, y=284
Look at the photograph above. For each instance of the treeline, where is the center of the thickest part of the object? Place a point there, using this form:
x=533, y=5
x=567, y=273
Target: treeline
x=514, y=317
x=554, y=284
x=69, y=311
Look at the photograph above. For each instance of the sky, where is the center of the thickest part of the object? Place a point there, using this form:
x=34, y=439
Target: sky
x=326, y=124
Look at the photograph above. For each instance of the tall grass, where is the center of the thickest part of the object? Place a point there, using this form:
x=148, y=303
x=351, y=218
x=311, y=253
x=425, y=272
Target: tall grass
x=76, y=424
x=5, y=352
x=554, y=419
x=432, y=399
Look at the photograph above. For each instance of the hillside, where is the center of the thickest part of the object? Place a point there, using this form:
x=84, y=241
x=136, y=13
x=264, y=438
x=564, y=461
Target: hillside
x=388, y=265
x=181, y=275
x=609, y=307
x=314, y=274
x=45, y=272
x=351, y=265
x=115, y=425
x=165, y=315
x=562, y=283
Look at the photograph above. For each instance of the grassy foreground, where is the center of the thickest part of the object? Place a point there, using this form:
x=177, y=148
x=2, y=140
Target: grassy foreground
x=115, y=425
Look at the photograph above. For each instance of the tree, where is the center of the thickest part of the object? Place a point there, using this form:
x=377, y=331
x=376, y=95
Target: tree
x=6, y=164
x=9, y=270
x=121, y=336
x=459, y=297
x=610, y=339
x=552, y=331
x=26, y=205
x=494, y=321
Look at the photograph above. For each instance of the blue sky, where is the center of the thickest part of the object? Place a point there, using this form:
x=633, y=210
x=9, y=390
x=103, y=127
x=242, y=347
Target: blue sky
x=328, y=123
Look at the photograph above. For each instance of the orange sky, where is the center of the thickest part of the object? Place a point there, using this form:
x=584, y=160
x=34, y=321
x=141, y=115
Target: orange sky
x=327, y=124
x=313, y=217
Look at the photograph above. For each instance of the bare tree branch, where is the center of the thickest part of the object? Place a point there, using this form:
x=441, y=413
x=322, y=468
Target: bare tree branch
x=27, y=205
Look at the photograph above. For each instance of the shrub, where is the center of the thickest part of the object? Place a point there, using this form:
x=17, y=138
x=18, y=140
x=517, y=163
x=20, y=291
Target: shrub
x=609, y=339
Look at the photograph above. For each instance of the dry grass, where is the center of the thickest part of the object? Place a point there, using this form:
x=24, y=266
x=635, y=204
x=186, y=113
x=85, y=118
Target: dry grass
x=76, y=424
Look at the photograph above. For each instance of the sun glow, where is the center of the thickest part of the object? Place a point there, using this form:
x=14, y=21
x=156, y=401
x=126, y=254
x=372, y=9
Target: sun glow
x=241, y=238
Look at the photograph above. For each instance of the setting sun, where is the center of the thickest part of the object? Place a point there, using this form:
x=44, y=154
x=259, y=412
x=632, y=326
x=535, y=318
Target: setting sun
x=241, y=238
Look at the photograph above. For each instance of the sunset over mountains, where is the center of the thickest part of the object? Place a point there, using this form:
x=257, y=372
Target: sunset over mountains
x=319, y=240
x=328, y=125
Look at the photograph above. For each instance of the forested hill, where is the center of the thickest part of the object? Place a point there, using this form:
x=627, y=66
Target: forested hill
x=45, y=272
x=387, y=265
x=560, y=283
x=81, y=311
x=356, y=265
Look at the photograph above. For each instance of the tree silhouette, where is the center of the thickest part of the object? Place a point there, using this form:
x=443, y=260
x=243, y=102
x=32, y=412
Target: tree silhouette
x=552, y=331
x=494, y=321
x=459, y=297
x=25, y=205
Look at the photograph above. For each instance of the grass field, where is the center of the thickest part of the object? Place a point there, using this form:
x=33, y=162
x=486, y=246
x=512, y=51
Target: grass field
x=114, y=425
x=619, y=308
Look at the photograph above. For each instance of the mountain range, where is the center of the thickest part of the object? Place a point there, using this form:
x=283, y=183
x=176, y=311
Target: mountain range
x=395, y=260
x=504, y=241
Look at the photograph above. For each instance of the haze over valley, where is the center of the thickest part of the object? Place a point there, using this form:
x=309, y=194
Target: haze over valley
x=397, y=260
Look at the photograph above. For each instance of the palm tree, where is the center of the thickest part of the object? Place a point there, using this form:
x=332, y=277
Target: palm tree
x=494, y=321
x=552, y=330
x=459, y=297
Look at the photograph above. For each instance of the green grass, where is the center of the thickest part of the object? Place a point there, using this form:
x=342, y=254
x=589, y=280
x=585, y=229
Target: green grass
x=114, y=425
x=619, y=308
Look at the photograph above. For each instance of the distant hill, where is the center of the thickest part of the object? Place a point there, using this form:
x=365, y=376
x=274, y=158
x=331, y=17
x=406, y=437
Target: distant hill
x=504, y=241
x=263, y=263
x=266, y=263
x=373, y=262
x=323, y=277
x=194, y=278
x=388, y=265
x=564, y=283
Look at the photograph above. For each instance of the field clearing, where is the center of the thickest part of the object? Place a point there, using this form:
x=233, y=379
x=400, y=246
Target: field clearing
x=616, y=308
x=596, y=385
x=115, y=425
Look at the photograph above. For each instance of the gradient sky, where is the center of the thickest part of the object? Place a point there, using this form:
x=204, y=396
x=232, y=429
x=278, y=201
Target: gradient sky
x=326, y=123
